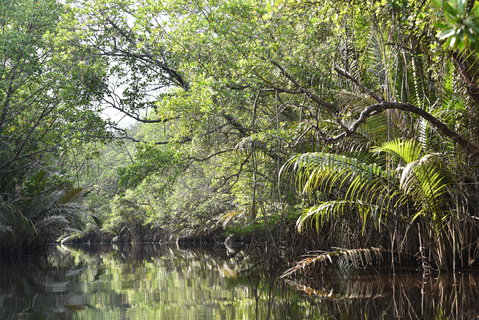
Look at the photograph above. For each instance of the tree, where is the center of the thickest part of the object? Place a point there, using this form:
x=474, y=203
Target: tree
x=45, y=93
x=237, y=88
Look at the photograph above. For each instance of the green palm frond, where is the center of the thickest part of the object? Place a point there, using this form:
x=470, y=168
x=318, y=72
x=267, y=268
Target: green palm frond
x=50, y=227
x=40, y=215
x=67, y=210
x=334, y=209
x=325, y=170
x=405, y=151
x=375, y=58
x=13, y=219
x=360, y=187
x=354, y=102
x=423, y=178
x=425, y=181
x=379, y=129
x=51, y=224
x=357, y=186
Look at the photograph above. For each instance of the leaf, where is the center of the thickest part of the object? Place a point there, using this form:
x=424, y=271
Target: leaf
x=437, y=3
x=449, y=9
x=446, y=34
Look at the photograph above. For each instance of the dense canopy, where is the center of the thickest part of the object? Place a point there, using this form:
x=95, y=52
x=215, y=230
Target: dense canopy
x=344, y=117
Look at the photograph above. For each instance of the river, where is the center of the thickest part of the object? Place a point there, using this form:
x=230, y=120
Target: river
x=166, y=282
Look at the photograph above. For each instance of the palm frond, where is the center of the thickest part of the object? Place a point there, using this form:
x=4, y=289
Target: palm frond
x=51, y=224
x=356, y=258
x=228, y=217
x=334, y=209
x=316, y=170
x=361, y=187
x=71, y=195
x=405, y=151
x=12, y=218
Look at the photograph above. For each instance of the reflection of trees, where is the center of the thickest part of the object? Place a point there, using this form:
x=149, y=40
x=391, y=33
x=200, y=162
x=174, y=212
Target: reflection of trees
x=161, y=282
x=400, y=296
x=39, y=289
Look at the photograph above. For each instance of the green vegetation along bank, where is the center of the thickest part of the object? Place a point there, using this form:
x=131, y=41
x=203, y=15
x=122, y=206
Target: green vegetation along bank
x=318, y=125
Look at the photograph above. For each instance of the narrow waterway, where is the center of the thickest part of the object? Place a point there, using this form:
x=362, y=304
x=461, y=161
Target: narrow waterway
x=165, y=282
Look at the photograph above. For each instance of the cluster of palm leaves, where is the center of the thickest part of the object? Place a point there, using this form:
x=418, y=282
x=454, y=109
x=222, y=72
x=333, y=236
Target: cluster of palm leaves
x=396, y=189
x=397, y=182
x=41, y=212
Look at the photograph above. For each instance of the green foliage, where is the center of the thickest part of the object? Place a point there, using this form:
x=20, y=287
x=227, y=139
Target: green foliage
x=237, y=88
x=261, y=227
x=43, y=211
x=461, y=29
x=46, y=108
x=408, y=187
x=229, y=91
x=149, y=161
x=44, y=102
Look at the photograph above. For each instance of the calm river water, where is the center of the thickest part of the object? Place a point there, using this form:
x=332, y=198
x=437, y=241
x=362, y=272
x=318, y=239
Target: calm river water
x=164, y=282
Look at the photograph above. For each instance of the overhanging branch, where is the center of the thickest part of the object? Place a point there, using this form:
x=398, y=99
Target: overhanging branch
x=383, y=105
x=374, y=109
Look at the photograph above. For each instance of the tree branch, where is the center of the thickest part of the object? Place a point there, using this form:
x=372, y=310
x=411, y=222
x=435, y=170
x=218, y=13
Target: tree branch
x=374, y=109
x=231, y=120
x=212, y=155
x=134, y=116
x=183, y=140
x=331, y=108
x=366, y=90
x=174, y=75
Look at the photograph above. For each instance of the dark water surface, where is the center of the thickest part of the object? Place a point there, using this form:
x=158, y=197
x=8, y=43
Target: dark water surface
x=164, y=282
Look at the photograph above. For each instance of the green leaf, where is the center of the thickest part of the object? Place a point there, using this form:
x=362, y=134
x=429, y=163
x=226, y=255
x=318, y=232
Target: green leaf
x=437, y=3
x=450, y=10
x=446, y=34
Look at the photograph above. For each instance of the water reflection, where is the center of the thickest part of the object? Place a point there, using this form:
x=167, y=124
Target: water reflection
x=160, y=282
x=400, y=296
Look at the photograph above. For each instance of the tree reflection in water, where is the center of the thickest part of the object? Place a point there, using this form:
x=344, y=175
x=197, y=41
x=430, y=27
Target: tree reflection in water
x=164, y=282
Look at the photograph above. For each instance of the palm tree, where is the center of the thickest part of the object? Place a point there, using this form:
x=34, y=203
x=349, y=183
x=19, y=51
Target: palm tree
x=38, y=214
x=397, y=188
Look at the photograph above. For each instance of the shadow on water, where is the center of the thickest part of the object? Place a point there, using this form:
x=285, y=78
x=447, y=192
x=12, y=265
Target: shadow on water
x=165, y=282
